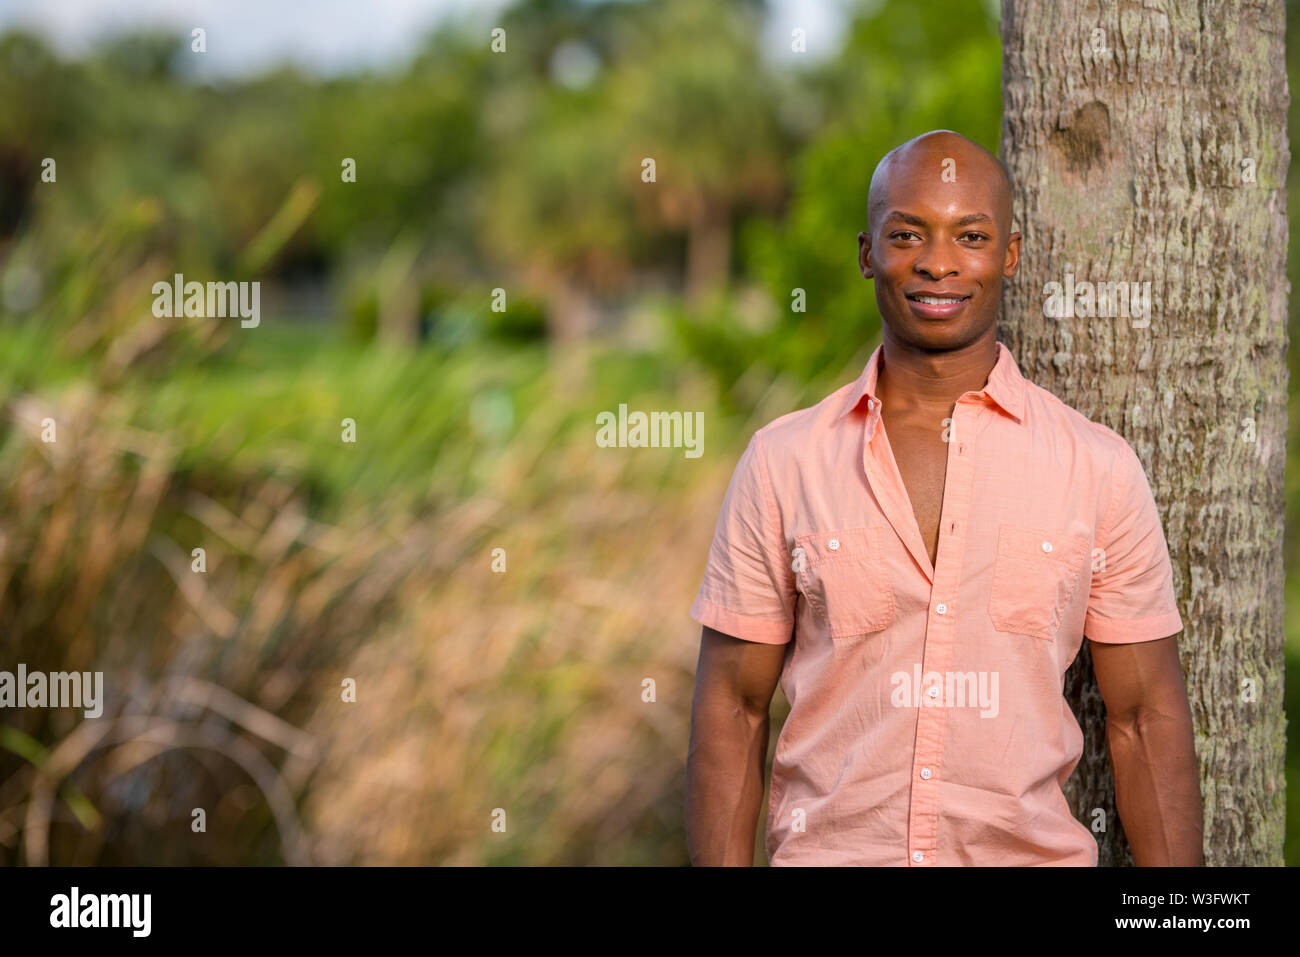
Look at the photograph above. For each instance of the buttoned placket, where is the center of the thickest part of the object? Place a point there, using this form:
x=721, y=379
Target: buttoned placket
x=944, y=577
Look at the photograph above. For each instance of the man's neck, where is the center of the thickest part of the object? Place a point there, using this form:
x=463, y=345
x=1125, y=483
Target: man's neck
x=916, y=381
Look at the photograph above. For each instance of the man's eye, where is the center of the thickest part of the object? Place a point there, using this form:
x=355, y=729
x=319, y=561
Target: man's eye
x=901, y=233
x=976, y=235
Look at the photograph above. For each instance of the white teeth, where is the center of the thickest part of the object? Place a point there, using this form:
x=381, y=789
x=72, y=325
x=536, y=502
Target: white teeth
x=938, y=301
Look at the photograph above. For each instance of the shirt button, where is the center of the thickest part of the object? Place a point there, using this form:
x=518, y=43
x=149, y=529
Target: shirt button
x=933, y=692
x=833, y=544
x=941, y=608
x=918, y=856
x=925, y=773
x=1047, y=546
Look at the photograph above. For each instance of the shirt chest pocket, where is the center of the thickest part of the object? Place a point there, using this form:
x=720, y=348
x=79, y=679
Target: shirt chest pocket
x=843, y=575
x=1035, y=576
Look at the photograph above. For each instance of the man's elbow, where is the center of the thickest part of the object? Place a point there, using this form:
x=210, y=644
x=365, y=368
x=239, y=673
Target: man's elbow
x=1143, y=718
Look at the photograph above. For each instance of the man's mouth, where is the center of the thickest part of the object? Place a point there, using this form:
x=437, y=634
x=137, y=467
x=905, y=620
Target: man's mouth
x=939, y=300
x=929, y=306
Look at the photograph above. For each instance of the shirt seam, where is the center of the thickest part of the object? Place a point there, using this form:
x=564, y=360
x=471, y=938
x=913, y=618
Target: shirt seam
x=773, y=514
x=745, y=614
x=1121, y=485
x=1133, y=621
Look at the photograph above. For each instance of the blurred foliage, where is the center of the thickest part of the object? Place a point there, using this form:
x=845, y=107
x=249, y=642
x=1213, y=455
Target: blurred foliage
x=475, y=172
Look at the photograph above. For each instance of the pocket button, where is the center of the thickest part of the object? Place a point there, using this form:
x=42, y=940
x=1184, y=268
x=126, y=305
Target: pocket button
x=1028, y=594
x=846, y=582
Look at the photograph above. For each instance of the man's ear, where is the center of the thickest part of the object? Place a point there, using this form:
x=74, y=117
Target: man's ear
x=864, y=255
x=1011, y=262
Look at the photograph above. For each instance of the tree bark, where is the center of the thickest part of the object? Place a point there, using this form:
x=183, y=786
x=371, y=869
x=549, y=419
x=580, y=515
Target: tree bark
x=1149, y=143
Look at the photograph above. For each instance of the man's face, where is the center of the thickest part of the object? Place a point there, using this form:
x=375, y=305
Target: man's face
x=937, y=251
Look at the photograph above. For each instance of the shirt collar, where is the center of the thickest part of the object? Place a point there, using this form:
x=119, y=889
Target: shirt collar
x=1005, y=386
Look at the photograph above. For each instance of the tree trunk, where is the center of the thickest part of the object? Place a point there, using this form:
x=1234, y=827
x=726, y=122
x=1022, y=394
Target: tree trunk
x=1148, y=143
x=571, y=317
x=708, y=256
x=570, y=309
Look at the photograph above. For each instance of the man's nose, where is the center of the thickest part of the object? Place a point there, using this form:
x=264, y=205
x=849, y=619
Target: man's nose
x=936, y=263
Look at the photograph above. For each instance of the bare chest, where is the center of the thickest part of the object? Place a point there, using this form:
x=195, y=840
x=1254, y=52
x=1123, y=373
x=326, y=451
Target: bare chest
x=921, y=455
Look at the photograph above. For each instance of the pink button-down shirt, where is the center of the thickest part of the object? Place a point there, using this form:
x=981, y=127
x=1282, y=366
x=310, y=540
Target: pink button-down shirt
x=927, y=721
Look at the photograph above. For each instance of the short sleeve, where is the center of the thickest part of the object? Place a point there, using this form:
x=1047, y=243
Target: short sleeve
x=748, y=590
x=1132, y=593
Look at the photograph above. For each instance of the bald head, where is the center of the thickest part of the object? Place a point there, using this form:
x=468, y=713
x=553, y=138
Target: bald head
x=939, y=153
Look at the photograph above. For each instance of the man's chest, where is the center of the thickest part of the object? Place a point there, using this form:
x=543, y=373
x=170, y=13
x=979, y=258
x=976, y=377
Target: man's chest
x=980, y=527
x=920, y=454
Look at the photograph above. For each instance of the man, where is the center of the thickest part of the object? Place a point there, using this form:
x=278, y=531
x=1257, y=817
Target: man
x=918, y=558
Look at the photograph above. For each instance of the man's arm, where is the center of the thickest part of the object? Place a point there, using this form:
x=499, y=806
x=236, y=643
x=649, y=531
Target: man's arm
x=1149, y=731
x=728, y=749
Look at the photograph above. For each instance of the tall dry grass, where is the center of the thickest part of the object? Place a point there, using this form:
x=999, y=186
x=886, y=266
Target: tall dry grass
x=207, y=676
x=476, y=690
x=523, y=690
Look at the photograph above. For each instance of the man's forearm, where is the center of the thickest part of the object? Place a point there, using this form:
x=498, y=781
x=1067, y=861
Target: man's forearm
x=1157, y=787
x=724, y=784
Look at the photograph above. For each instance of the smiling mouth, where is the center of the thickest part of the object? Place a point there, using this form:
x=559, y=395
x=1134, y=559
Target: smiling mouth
x=939, y=300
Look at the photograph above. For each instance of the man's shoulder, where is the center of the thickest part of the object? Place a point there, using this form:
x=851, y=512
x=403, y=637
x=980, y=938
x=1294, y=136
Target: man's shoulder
x=796, y=429
x=1107, y=445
